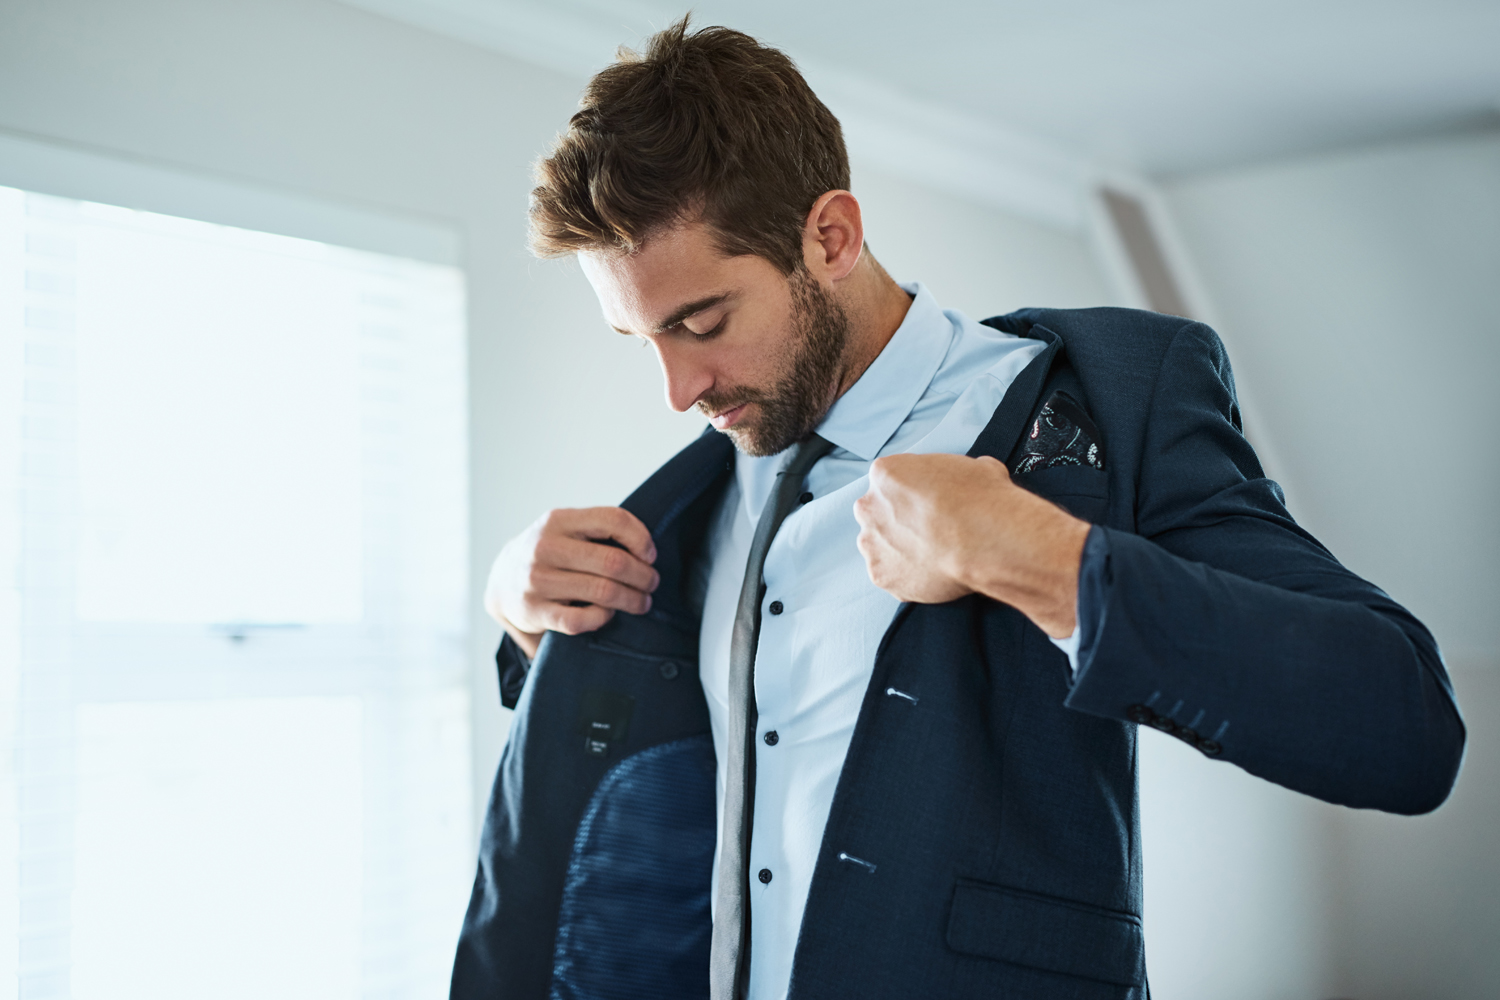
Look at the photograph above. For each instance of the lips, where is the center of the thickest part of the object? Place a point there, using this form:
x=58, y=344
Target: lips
x=727, y=419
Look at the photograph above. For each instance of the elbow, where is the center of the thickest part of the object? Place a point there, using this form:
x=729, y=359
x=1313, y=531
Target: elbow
x=1432, y=770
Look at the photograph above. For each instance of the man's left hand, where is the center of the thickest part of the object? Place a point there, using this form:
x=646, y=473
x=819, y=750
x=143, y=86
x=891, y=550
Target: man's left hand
x=937, y=527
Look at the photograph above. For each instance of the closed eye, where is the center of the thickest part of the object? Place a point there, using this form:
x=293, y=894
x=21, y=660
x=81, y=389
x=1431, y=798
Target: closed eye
x=706, y=334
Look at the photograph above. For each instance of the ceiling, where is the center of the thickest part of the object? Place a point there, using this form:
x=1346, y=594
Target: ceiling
x=1168, y=86
x=1159, y=86
x=1069, y=89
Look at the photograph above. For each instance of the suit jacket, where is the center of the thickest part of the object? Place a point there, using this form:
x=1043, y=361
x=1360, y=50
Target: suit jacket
x=984, y=837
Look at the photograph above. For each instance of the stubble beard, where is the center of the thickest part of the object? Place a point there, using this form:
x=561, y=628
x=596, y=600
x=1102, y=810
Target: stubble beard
x=803, y=388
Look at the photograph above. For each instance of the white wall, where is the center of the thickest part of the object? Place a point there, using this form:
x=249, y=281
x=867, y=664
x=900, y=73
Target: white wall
x=974, y=258
x=1362, y=293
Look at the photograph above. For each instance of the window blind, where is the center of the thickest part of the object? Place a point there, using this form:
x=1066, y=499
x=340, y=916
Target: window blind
x=233, y=703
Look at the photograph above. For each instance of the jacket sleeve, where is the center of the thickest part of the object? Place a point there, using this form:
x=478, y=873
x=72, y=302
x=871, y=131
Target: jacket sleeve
x=513, y=665
x=1223, y=622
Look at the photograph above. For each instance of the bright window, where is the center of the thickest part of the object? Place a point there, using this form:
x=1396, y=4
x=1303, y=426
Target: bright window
x=234, y=752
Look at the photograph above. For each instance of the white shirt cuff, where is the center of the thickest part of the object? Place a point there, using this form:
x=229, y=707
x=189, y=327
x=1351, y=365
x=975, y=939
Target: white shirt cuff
x=1069, y=646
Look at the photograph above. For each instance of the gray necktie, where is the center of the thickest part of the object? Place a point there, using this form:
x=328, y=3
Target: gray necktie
x=729, y=958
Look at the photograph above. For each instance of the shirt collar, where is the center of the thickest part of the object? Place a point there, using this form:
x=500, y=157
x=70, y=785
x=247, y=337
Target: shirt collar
x=866, y=416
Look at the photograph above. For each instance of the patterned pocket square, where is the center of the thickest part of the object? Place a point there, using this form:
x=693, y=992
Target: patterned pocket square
x=1063, y=434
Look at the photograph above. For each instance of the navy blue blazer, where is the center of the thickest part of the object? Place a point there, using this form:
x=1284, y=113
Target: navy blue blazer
x=984, y=838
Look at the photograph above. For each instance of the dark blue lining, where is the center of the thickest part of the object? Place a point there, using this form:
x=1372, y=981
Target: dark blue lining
x=635, y=908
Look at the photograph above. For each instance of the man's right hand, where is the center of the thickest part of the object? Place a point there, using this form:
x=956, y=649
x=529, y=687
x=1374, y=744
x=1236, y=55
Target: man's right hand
x=559, y=575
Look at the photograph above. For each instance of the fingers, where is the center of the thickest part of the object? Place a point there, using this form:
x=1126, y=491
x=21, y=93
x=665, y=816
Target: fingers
x=576, y=621
x=575, y=582
x=562, y=552
x=563, y=587
x=864, y=512
x=599, y=523
x=564, y=574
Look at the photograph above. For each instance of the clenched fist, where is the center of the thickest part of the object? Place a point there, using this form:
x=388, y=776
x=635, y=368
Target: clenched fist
x=936, y=527
x=560, y=575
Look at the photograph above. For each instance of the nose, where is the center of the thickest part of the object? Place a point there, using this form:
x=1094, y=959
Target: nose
x=685, y=378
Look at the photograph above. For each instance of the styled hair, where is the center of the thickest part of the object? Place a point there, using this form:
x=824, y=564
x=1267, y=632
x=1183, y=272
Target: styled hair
x=708, y=126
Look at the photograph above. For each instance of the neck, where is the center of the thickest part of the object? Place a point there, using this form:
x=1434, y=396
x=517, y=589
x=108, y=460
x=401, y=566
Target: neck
x=876, y=306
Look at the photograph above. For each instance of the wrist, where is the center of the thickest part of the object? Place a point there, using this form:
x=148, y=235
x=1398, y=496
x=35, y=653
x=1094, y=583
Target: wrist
x=528, y=641
x=1039, y=579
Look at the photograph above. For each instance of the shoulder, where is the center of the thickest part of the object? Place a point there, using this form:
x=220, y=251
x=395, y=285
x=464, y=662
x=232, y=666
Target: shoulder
x=1127, y=347
x=1104, y=326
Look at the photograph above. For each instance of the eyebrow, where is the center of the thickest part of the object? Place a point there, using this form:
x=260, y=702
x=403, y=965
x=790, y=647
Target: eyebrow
x=683, y=312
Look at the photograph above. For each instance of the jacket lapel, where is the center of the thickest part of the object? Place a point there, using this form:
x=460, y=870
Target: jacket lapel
x=672, y=488
x=999, y=437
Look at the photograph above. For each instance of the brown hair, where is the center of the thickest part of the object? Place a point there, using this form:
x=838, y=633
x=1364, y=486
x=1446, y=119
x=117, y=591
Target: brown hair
x=706, y=125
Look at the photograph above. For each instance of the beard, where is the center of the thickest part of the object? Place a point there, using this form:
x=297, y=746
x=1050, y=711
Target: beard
x=803, y=388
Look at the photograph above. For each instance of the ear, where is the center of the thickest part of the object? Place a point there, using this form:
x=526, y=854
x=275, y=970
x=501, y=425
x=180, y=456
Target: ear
x=833, y=236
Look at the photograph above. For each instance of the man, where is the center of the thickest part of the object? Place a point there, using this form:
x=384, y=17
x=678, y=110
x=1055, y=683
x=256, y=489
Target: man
x=843, y=700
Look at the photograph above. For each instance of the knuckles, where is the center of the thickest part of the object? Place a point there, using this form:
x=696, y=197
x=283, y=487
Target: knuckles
x=545, y=550
x=616, y=563
x=602, y=591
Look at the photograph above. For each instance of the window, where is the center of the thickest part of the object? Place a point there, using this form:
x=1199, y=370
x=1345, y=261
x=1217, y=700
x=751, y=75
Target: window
x=233, y=699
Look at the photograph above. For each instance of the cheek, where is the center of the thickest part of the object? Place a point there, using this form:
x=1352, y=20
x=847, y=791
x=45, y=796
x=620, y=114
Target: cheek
x=758, y=350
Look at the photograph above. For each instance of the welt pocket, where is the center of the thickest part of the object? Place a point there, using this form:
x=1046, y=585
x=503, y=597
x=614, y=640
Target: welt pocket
x=1066, y=481
x=1046, y=932
x=619, y=649
x=1078, y=489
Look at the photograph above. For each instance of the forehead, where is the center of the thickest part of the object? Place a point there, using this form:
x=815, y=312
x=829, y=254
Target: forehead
x=680, y=265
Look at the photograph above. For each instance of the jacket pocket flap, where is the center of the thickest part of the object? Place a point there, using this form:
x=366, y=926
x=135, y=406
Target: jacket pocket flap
x=1044, y=932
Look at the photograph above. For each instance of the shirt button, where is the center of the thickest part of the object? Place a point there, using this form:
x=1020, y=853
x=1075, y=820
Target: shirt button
x=771, y=738
x=805, y=498
x=776, y=607
x=765, y=875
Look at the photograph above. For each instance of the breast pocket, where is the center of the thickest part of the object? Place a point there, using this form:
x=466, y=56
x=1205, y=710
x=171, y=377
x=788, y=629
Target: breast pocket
x=1044, y=932
x=1080, y=490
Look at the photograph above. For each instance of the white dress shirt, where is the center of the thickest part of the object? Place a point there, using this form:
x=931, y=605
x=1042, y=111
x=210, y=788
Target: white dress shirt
x=932, y=389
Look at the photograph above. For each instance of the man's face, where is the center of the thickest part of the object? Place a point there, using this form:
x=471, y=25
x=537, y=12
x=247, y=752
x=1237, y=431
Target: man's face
x=759, y=353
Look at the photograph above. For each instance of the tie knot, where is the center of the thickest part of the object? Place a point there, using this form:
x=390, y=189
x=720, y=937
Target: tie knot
x=805, y=455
